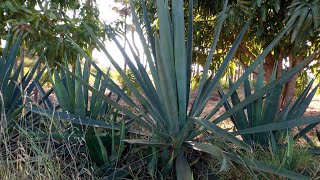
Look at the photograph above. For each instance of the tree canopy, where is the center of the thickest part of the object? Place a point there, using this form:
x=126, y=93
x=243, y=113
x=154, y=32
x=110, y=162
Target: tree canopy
x=45, y=24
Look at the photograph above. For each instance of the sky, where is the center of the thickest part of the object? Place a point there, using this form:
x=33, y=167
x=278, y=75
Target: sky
x=108, y=15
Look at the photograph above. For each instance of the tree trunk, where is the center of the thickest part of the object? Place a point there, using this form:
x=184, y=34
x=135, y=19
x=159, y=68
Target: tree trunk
x=268, y=67
x=279, y=68
x=291, y=84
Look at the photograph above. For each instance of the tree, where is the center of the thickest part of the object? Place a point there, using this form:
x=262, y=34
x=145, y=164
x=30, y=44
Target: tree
x=270, y=17
x=44, y=25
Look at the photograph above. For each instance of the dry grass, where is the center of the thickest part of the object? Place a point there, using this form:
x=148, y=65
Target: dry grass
x=24, y=155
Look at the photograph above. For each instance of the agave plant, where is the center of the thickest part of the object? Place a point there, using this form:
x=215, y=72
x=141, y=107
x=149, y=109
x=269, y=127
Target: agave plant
x=15, y=91
x=266, y=110
x=83, y=113
x=161, y=107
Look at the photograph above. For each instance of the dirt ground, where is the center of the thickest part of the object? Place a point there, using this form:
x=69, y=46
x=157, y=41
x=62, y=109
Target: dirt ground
x=314, y=108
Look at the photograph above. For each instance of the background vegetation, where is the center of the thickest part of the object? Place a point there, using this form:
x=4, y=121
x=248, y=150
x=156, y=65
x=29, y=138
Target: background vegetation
x=171, y=113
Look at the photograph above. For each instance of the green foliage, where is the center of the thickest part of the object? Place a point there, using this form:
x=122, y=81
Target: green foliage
x=86, y=116
x=195, y=80
x=302, y=81
x=157, y=113
x=163, y=102
x=265, y=111
x=74, y=100
x=15, y=91
x=130, y=75
x=19, y=144
x=43, y=26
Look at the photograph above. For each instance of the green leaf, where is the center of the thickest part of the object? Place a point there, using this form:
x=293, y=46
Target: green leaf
x=290, y=123
x=209, y=60
x=264, y=166
x=145, y=142
x=271, y=105
x=183, y=169
x=52, y=16
x=122, y=136
x=165, y=50
x=96, y=149
x=315, y=15
x=70, y=84
x=258, y=104
x=303, y=131
x=300, y=107
x=10, y=86
x=258, y=94
x=140, y=32
x=152, y=164
x=61, y=92
x=259, y=3
x=222, y=133
x=303, y=104
x=126, y=79
x=11, y=6
x=71, y=118
x=8, y=64
x=95, y=104
x=215, y=151
x=143, y=80
x=44, y=96
x=300, y=22
x=277, y=5
x=170, y=101
x=111, y=102
x=250, y=107
x=167, y=168
x=240, y=116
x=148, y=26
x=16, y=112
x=79, y=106
x=227, y=106
x=189, y=46
x=207, y=94
x=180, y=58
x=301, y=98
x=86, y=77
x=248, y=71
